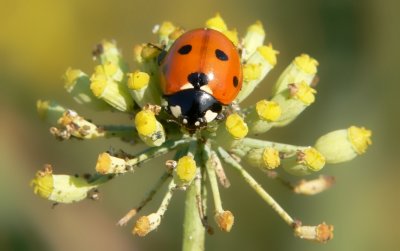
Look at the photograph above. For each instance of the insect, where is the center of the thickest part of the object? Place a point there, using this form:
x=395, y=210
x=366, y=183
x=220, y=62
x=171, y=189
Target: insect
x=200, y=75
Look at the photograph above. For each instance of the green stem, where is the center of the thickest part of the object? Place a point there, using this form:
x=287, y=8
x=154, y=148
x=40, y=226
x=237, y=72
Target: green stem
x=193, y=229
x=257, y=187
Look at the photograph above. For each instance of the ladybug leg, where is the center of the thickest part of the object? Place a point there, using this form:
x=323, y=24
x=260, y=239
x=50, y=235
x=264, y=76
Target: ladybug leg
x=220, y=116
x=155, y=46
x=202, y=122
x=162, y=50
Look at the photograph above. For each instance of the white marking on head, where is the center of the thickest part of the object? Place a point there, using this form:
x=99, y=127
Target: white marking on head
x=210, y=115
x=187, y=86
x=176, y=111
x=185, y=121
x=207, y=89
x=197, y=123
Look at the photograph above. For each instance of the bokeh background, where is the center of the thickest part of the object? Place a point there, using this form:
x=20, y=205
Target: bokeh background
x=357, y=45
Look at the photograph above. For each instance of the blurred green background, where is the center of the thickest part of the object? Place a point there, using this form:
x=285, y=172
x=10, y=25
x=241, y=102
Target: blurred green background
x=357, y=45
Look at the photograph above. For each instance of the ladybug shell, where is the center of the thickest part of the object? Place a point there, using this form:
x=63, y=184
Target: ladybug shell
x=206, y=58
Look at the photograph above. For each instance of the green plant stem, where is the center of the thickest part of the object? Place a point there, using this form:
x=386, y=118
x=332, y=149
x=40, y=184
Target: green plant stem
x=257, y=187
x=193, y=229
x=245, y=145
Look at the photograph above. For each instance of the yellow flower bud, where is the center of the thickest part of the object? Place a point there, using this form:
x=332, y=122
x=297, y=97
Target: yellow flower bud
x=185, y=171
x=271, y=158
x=360, y=138
x=138, y=80
x=302, y=69
x=216, y=23
x=306, y=63
x=105, y=85
x=43, y=182
x=303, y=92
x=60, y=188
x=71, y=124
x=225, y=220
x=306, y=162
x=137, y=53
x=264, y=158
x=253, y=39
x=268, y=53
x=313, y=159
x=257, y=66
x=232, y=35
x=268, y=110
x=236, y=126
x=320, y=233
x=145, y=122
x=107, y=164
x=107, y=52
x=344, y=145
x=49, y=111
x=146, y=224
x=77, y=83
x=150, y=130
x=149, y=52
x=166, y=28
x=251, y=72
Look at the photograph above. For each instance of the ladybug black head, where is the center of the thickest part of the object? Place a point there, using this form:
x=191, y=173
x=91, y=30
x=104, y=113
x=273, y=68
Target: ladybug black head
x=193, y=108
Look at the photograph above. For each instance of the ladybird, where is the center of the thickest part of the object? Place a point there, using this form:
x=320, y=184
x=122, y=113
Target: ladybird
x=200, y=74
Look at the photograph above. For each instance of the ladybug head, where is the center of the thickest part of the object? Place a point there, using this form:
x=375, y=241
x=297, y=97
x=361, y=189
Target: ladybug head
x=193, y=108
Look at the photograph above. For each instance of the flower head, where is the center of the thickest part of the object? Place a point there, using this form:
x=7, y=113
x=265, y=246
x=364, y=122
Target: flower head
x=201, y=154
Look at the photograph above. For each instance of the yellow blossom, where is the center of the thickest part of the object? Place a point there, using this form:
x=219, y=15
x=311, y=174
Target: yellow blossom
x=236, y=126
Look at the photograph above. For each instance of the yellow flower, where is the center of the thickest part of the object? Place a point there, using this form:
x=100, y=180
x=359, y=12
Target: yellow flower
x=236, y=126
x=138, y=80
x=306, y=63
x=185, y=170
x=216, y=23
x=268, y=110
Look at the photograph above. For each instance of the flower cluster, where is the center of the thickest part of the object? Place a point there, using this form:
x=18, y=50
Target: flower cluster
x=199, y=158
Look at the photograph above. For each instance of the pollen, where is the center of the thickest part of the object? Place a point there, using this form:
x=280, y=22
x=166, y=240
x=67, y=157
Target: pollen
x=303, y=92
x=312, y=158
x=271, y=158
x=138, y=80
x=145, y=122
x=43, y=182
x=360, y=138
x=216, y=23
x=103, y=163
x=142, y=226
x=225, y=220
x=98, y=87
x=236, y=126
x=257, y=27
x=268, y=53
x=166, y=28
x=251, y=72
x=268, y=110
x=233, y=36
x=185, y=169
x=306, y=63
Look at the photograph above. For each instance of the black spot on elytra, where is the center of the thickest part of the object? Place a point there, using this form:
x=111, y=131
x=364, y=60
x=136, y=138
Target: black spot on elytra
x=197, y=79
x=185, y=49
x=221, y=55
x=235, y=81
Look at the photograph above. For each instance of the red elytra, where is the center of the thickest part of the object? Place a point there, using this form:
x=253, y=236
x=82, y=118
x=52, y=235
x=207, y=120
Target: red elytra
x=200, y=73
